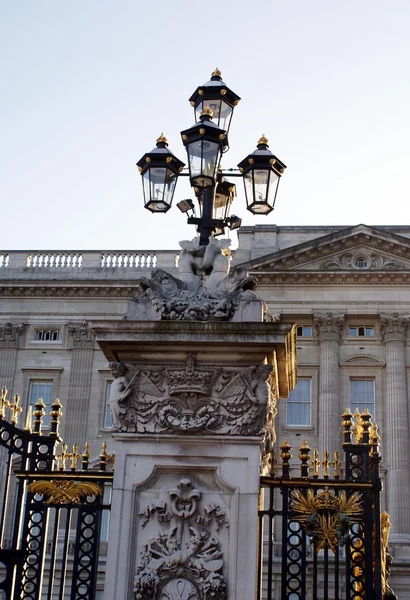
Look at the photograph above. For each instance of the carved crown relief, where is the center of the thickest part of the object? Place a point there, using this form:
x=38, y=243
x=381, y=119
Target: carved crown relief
x=184, y=561
x=192, y=399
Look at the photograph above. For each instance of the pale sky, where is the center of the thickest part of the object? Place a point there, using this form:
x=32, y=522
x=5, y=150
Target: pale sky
x=87, y=87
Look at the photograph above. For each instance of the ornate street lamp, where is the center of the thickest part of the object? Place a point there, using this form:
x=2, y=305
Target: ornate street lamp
x=261, y=173
x=220, y=99
x=205, y=142
x=159, y=169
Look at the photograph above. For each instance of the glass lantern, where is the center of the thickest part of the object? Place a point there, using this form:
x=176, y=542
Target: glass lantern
x=218, y=97
x=159, y=169
x=261, y=173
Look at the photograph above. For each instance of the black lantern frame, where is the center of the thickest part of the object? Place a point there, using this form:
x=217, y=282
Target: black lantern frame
x=261, y=172
x=218, y=97
x=160, y=170
x=205, y=143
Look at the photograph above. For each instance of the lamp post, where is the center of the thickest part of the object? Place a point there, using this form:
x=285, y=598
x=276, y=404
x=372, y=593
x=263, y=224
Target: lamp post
x=205, y=143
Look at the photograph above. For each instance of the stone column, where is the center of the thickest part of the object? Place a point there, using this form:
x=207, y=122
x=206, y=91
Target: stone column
x=395, y=433
x=9, y=341
x=80, y=383
x=329, y=327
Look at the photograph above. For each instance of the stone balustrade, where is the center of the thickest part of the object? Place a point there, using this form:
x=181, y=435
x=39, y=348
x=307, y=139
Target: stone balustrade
x=80, y=264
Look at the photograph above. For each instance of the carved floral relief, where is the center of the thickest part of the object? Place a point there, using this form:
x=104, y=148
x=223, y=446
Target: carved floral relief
x=184, y=561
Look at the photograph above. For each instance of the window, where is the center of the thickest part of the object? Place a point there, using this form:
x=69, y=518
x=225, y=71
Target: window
x=107, y=413
x=361, y=262
x=362, y=395
x=362, y=331
x=46, y=335
x=298, y=403
x=304, y=331
x=43, y=390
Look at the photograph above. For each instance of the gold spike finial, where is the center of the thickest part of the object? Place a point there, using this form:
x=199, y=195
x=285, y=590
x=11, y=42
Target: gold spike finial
x=216, y=73
x=162, y=139
x=74, y=457
x=263, y=140
x=207, y=110
x=3, y=402
x=15, y=409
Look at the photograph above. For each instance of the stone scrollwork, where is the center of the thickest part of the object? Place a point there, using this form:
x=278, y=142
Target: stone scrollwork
x=191, y=399
x=206, y=289
x=362, y=261
x=184, y=561
x=328, y=326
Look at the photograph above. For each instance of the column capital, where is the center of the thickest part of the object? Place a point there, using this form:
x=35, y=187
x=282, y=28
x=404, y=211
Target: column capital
x=328, y=325
x=9, y=334
x=393, y=327
x=82, y=335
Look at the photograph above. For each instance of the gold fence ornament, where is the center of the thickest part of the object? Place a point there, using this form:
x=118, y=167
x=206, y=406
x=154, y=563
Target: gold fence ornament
x=3, y=402
x=15, y=409
x=64, y=491
x=326, y=517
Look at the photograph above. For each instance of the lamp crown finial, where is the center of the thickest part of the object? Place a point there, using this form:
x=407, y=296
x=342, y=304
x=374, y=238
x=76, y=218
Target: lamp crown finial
x=207, y=110
x=263, y=140
x=216, y=73
x=162, y=139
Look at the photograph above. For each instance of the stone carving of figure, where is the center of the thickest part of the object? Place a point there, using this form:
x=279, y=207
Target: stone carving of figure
x=206, y=266
x=252, y=382
x=119, y=392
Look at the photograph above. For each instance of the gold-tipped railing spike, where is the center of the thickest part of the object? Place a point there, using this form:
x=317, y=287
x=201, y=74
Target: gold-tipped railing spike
x=304, y=457
x=347, y=424
x=336, y=464
x=38, y=414
x=55, y=415
x=85, y=457
x=29, y=417
x=326, y=464
x=285, y=456
x=366, y=423
x=63, y=457
x=315, y=464
x=15, y=409
x=74, y=457
x=3, y=402
x=103, y=457
x=374, y=440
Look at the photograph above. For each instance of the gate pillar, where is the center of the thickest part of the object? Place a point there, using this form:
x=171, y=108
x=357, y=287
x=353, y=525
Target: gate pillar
x=193, y=405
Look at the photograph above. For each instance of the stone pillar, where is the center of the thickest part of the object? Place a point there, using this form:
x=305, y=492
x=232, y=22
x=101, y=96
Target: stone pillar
x=80, y=383
x=395, y=435
x=329, y=327
x=9, y=340
x=193, y=404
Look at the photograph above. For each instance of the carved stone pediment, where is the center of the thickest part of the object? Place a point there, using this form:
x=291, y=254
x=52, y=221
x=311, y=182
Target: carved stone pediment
x=354, y=249
x=191, y=398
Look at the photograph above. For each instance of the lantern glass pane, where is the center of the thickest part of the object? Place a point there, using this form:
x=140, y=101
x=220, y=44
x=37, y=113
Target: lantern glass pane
x=248, y=181
x=204, y=159
x=221, y=206
x=261, y=178
x=273, y=185
x=159, y=185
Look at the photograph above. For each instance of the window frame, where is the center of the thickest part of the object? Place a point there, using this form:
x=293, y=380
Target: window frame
x=365, y=328
x=354, y=405
x=46, y=374
x=290, y=401
x=303, y=327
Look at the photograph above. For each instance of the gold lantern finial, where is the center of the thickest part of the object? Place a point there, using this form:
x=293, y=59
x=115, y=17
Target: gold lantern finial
x=207, y=110
x=216, y=73
x=263, y=140
x=162, y=139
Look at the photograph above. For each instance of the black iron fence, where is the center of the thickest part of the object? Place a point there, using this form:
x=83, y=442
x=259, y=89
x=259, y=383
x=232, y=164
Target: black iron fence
x=51, y=509
x=320, y=523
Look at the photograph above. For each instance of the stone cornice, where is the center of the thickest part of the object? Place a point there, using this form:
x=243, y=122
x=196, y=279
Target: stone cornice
x=68, y=291
x=274, y=277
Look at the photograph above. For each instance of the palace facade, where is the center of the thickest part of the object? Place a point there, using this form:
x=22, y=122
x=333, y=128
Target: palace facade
x=346, y=288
